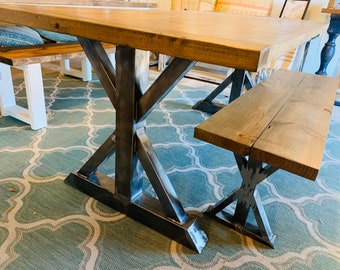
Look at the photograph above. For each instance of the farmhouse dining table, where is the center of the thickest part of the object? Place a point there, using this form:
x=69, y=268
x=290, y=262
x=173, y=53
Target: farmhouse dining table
x=242, y=42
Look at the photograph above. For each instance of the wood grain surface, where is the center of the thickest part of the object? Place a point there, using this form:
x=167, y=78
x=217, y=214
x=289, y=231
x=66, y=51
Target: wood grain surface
x=237, y=41
x=24, y=55
x=282, y=121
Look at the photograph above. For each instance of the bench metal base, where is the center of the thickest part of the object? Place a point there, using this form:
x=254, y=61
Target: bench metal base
x=239, y=79
x=247, y=198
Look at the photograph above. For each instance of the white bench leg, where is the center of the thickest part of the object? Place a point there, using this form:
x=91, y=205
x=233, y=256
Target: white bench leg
x=162, y=60
x=7, y=97
x=85, y=73
x=86, y=69
x=112, y=57
x=65, y=66
x=35, y=96
x=35, y=115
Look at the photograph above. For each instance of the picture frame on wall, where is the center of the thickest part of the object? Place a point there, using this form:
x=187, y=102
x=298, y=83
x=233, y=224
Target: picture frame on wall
x=294, y=9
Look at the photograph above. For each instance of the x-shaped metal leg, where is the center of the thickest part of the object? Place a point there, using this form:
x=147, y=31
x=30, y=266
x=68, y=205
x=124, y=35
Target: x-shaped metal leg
x=239, y=79
x=133, y=150
x=247, y=197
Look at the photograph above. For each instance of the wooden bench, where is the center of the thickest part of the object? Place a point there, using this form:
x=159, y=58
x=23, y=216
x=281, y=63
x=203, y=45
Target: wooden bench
x=281, y=123
x=29, y=59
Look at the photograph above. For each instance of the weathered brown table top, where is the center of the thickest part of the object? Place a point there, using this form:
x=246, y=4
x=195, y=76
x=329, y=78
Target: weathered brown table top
x=237, y=41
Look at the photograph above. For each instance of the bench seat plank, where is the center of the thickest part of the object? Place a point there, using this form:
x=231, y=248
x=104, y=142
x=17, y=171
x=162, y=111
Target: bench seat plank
x=237, y=126
x=296, y=137
x=26, y=55
x=280, y=102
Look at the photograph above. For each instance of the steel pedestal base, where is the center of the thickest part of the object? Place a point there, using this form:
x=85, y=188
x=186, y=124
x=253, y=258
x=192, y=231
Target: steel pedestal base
x=144, y=209
x=134, y=153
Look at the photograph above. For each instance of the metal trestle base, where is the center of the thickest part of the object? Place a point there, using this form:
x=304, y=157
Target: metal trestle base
x=247, y=198
x=239, y=79
x=144, y=209
x=134, y=153
x=208, y=107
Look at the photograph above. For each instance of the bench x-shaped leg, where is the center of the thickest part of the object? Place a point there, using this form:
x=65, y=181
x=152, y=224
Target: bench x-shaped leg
x=247, y=197
x=133, y=150
x=239, y=79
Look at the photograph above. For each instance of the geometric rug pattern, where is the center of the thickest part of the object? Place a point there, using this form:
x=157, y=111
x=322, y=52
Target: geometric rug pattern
x=46, y=224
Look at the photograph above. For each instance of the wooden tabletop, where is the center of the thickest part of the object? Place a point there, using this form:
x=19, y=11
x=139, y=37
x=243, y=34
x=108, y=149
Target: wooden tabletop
x=106, y=3
x=237, y=41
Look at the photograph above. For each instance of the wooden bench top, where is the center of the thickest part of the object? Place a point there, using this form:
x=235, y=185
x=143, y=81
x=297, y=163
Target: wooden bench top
x=24, y=55
x=282, y=121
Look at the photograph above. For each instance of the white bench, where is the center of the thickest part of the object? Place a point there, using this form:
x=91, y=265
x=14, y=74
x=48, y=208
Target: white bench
x=29, y=59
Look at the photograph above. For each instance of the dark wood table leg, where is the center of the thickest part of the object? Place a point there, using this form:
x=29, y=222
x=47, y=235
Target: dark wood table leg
x=328, y=50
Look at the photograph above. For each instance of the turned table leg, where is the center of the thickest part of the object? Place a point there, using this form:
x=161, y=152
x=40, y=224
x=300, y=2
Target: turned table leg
x=328, y=50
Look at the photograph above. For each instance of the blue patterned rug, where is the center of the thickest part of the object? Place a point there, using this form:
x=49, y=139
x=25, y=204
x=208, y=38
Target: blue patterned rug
x=45, y=224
